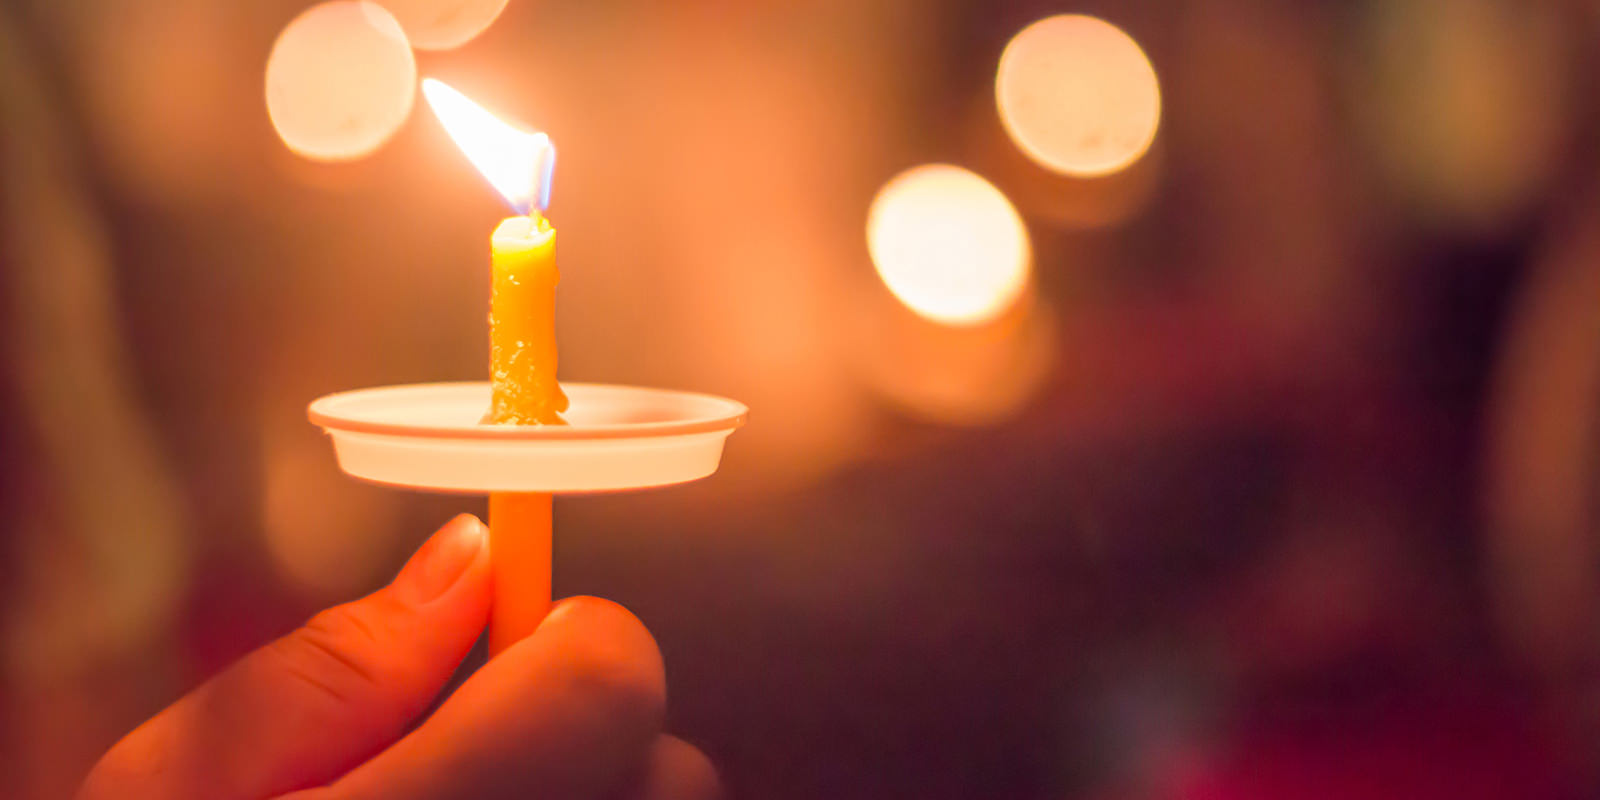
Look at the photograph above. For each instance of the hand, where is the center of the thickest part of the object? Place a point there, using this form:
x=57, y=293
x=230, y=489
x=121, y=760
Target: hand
x=326, y=713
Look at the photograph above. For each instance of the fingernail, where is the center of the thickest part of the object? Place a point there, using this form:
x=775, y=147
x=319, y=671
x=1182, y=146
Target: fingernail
x=441, y=560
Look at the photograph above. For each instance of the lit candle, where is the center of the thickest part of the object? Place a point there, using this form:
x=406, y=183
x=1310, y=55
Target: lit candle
x=522, y=346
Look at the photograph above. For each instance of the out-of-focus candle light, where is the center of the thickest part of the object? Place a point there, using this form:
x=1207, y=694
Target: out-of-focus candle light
x=1078, y=95
x=948, y=244
x=340, y=80
x=1465, y=104
x=1055, y=199
x=444, y=24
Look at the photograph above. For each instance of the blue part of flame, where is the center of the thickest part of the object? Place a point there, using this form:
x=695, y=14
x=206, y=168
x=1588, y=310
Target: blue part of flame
x=547, y=171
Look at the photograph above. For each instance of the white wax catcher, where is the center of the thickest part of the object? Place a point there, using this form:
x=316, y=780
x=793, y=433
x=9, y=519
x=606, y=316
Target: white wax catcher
x=430, y=436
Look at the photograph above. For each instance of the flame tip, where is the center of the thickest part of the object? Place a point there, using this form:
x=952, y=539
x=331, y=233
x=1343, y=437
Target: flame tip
x=516, y=162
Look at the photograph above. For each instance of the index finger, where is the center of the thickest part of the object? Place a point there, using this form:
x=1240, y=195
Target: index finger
x=306, y=708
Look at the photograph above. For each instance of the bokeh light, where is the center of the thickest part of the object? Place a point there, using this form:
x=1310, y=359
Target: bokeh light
x=1078, y=95
x=1464, y=105
x=1055, y=200
x=340, y=80
x=1542, y=445
x=444, y=24
x=948, y=244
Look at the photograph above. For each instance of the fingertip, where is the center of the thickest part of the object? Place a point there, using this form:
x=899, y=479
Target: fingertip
x=470, y=525
x=443, y=561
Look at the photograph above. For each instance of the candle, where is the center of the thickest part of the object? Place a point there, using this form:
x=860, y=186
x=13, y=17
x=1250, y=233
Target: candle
x=522, y=357
x=522, y=341
x=522, y=347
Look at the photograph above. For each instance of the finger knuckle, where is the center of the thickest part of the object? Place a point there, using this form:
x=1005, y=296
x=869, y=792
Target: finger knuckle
x=329, y=654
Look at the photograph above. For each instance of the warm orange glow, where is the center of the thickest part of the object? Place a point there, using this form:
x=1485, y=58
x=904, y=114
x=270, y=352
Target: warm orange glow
x=444, y=24
x=303, y=500
x=948, y=244
x=340, y=80
x=1077, y=95
x=968, y=376
x=1463, y=105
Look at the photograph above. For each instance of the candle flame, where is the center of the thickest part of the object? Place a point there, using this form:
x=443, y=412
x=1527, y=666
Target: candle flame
x=517, y=163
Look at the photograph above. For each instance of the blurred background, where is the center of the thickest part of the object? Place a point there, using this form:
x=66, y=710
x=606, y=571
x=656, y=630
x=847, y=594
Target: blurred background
x=1175, y=399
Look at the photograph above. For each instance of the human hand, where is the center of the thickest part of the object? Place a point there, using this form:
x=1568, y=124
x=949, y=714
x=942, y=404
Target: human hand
x=327, y=712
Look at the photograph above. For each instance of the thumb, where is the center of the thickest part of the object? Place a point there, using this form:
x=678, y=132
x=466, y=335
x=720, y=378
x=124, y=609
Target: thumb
x=308, y=707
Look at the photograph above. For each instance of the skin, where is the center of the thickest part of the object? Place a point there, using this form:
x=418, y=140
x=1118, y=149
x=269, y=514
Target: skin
x=331, y=711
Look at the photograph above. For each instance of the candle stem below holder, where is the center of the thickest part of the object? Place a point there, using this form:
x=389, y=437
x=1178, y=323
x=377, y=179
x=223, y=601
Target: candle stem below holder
x=519, y=546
